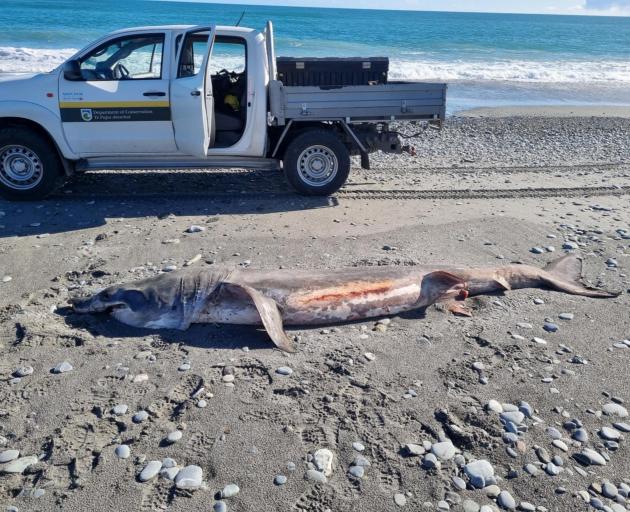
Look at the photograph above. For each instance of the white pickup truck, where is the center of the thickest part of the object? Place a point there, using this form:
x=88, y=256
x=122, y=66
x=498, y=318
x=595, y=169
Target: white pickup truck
x=199, y=97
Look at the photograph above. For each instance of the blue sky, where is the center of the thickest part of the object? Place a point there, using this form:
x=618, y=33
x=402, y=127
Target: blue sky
x=590, y=7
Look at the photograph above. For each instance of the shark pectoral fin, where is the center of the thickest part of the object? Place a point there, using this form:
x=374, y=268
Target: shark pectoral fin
x=269, y=314
x=458, y=308
x=440, y=286
x=502, y=282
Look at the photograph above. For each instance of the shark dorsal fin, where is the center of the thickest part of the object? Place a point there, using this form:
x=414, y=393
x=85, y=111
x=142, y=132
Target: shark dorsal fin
x=269, y=314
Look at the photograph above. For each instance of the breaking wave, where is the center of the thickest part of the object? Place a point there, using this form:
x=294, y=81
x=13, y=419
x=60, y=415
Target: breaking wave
x=15, y=59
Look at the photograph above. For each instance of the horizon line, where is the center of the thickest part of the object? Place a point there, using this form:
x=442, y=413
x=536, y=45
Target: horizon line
x=590, y=13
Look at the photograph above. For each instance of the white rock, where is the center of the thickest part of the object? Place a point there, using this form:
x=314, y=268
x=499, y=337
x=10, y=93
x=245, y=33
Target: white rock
x=323, y=460
x=19, y=465
x=9, y=455
x=230, y=490
x=189, y=477
x=63, y=367
x=150, y=470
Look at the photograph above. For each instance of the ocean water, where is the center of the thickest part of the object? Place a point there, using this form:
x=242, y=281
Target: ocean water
x=487, y=59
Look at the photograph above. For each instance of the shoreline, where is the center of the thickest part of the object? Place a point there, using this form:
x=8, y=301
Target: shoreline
x=562, y=111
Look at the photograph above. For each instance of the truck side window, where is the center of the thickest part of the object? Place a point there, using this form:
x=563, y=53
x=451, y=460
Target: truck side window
x=126, y=58
x=193, y=52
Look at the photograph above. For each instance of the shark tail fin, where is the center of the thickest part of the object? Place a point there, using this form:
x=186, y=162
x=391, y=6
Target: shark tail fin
x=440, y=286
x=565, y=274
x=269, y=314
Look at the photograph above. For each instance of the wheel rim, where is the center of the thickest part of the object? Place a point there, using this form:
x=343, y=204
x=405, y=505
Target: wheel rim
x=20, y=167
x=317, y=165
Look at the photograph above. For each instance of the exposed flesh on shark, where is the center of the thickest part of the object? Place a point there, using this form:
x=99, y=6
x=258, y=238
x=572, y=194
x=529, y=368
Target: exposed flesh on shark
x=285, y=297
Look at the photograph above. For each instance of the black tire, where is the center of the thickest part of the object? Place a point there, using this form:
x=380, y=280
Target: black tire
x=327, y=150
x=30, y=167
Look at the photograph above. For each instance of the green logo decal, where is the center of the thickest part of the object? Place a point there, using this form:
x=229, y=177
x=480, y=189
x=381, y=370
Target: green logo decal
x=86, y=114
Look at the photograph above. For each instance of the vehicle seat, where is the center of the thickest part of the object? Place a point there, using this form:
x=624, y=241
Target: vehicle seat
x=225, y=122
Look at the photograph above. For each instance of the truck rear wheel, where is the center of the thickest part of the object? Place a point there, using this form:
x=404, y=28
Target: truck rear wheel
x=29, y=165
x=316, y=163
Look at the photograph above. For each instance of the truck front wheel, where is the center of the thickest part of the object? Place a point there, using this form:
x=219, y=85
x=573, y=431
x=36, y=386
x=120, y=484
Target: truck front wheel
x=316, y=163
x=29, y=165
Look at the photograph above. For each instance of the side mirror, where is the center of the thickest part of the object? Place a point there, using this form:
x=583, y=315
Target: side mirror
x=72, y=71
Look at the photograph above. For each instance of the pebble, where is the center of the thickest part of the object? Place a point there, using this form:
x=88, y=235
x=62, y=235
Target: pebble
x=400, y=499
x=531, y=469
x=569, y=246
x=609, y=434
x=280, y=480
x=174, y=436
x=63, y=367
x=169, y=473
x=120, y=409
x=470, y=506
x=539, y=341
x=230, y=491
x=590, y=457
x=220, y=506
x=622, y=427
x=202, y=404
x=609, y=490
x=369, y=356
x=19, y=465
x=613, y=409
x=23, y=371
x=459, y=483
x=140, y=416
x=444, y=450
x=550, y=327
x=494, y=406
x=413, y=450
x=358, y=446
x=515, y=417
x=284, y=370
x=170, y=268
x=316, y=476
x=480, y=473
x=141, y=377
x=195, y=229
x=228, y=378
x=323, y=460
x=357, y=471
x=360, y=460
x=552, y=469
x=566, y=316
x=189, y=477
x=526, y=409
x=150, y=471
x=537, y=250
x=580, y=435
x=6, y=279
x=122, y=451
x=184, y=367
x=430, y=461
x=560, y=444
x=9, y=455
x=506, y=501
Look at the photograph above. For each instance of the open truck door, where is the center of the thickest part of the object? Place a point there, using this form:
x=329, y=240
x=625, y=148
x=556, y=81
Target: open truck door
x=192, y=102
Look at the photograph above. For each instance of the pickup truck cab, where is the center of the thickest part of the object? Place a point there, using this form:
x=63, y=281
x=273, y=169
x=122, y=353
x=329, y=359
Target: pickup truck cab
x=194, y=97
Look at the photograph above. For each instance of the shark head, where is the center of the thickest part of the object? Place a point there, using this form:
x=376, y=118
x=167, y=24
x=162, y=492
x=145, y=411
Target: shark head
x=139, y=304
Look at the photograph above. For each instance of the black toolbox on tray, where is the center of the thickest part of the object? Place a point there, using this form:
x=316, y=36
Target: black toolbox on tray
x=332, y=71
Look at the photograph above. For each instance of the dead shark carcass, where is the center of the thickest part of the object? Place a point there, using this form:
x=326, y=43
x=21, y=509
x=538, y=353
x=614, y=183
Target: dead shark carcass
x=285, y=297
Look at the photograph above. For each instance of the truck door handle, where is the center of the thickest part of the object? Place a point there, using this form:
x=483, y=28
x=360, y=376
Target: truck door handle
x=154, y=93
x=195, y=93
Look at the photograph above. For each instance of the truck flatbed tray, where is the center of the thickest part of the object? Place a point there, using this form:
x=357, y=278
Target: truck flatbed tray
x=321, y=71
x=353, y=103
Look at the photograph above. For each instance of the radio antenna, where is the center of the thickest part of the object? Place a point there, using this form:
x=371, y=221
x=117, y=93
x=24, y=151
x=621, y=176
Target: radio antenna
x=240, y=19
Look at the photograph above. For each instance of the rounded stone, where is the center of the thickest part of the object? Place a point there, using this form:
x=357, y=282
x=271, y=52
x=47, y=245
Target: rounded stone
x=189, y=477
x=19, y=465
x=400, y=499
x=150, y=471
x=470, y=506
x=358, y=446
x=590, y=457
x=174, y=436
x=609, y=433
x=284, y=370
x=220, y=506
x=494, y=406
x=120, y=409
x=506, y=501
x=444, y=450
x=613, y=409
x=313, y=475
x=122, y=451
x=140, y=416
x=580, y=435
x=63, y=367
x=280, y=480
x=480, y=472
x=9, y=455
x=430, y=461
x=357, y=471
x=230, y=491
x=515, y=417
x=23, y=371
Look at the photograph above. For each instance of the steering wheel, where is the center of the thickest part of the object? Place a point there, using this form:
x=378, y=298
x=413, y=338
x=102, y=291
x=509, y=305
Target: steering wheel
x=120, y=72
